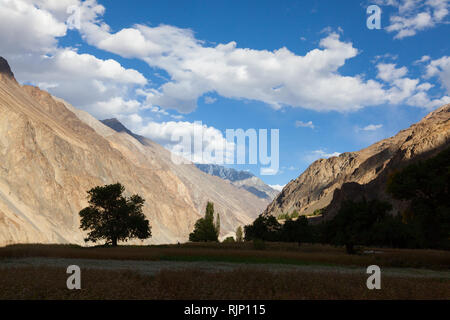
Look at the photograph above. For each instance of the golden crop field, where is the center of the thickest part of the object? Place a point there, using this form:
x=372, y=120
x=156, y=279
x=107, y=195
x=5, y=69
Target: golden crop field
x=309, y=272
x=49, y=283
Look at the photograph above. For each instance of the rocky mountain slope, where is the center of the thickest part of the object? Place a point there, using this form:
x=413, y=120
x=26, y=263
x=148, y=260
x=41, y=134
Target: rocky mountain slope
x=352, y=175
x=241, y=179
x=52, y=153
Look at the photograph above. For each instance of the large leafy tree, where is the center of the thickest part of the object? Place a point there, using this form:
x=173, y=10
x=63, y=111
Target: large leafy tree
x=205, y=229
x=112, y=217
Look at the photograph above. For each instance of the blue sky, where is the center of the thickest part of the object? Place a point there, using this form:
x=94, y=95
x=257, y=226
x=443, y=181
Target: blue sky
x=311, y=69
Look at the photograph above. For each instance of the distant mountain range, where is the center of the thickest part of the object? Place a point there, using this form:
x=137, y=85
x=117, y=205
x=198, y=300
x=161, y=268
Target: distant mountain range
x=51, y=153
x=242, y=179
x=363, y=174
x=224, y=173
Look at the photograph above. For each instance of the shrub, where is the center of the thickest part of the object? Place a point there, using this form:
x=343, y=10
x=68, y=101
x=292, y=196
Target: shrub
x=317, y=212
x=294, y=214
x=228, y=240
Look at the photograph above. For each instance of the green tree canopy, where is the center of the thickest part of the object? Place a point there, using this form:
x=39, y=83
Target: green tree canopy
x=205, y=229
x=265, y=227
x=297, y=231
x=113, y=217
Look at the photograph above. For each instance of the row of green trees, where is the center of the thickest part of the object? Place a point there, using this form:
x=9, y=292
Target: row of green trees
x=268, y=228
x=424, y=224
x=113, y=217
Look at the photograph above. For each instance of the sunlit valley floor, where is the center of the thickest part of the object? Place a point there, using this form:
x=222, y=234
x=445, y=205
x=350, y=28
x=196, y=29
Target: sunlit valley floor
x=222, y=271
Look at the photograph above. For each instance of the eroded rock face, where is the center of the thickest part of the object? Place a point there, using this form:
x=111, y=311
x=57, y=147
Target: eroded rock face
x=52, y=153
x=353, y=175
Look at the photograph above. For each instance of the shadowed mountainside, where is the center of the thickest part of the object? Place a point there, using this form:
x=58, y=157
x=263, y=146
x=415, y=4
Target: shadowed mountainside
x=353, y=175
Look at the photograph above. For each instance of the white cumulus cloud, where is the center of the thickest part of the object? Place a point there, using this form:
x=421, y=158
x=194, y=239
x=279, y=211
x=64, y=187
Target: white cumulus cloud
x=441, y=69
x=174, y=134
x=278, y=77
x=29, y=36
x=415, y=15
x=388, y=71
x=27, y=28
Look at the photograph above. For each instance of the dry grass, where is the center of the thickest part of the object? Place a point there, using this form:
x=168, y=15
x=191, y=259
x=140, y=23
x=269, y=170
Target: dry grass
x=284, y=253
x=50, y=283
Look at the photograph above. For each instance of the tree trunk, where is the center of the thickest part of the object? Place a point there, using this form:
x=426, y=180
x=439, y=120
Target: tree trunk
x=114, y=242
